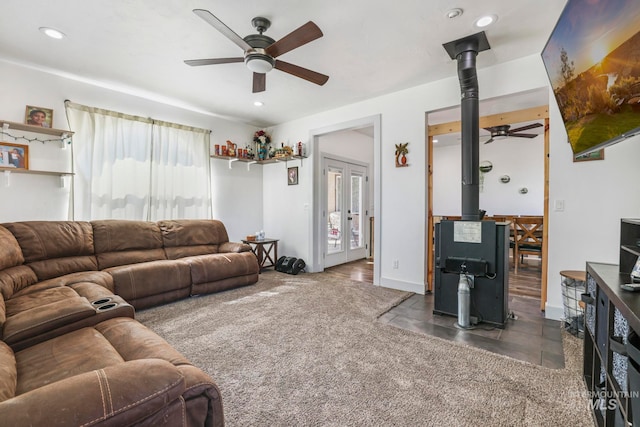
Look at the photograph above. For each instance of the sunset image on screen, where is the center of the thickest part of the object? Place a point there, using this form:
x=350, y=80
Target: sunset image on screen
x=593, y=62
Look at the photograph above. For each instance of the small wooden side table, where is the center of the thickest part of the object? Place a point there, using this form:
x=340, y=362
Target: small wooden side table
x=266, y=250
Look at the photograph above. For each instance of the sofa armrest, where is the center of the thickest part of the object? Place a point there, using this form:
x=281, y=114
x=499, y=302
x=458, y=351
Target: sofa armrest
x=233, y=247
x=114, y=396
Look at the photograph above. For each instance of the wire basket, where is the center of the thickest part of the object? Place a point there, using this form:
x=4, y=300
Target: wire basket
x=573, y=311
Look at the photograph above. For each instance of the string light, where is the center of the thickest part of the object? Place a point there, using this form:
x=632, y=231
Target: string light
x=24, y=138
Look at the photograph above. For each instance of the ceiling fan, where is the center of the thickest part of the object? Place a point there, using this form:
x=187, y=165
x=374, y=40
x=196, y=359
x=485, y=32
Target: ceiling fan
x=503, y=131
x=260, y=51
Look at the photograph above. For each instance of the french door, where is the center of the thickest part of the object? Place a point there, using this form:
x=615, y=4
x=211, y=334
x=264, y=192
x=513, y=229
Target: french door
x=345, y=211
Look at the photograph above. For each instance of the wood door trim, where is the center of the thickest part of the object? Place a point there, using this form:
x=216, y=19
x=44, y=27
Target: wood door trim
x=519, y=116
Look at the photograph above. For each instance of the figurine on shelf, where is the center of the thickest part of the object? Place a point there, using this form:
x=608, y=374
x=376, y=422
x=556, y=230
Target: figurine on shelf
x=262, y=151
x=249, y=150
x=300, y=148
x=231, y=149
x=262, y=139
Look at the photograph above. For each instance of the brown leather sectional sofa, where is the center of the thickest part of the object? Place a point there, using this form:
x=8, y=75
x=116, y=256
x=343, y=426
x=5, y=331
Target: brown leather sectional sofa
x=71, y=352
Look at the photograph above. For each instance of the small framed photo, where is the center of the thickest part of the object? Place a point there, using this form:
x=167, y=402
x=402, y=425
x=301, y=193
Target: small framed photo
x=595, y=155
x=14, y=155
x=38, y=116
x=292, y=175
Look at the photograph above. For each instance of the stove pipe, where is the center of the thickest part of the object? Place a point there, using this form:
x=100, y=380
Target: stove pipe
x=465, y=51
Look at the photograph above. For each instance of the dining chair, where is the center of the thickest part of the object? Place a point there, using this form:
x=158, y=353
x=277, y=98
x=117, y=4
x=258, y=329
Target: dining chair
x=527, y=238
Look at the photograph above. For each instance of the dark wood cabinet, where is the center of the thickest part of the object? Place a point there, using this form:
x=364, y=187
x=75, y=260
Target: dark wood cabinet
x=611, y=365
x=629, y=244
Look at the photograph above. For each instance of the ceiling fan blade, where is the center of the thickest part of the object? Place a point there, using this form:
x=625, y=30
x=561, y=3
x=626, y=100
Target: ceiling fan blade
x=220, y=26
x=527, y=127
x=301, y=36
x=489, y=141
x=524, y=135
x=259, y=82
x=212, y=61
x=303, y=73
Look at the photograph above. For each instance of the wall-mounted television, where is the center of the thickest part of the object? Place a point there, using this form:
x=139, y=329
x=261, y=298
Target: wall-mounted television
x=593, y=62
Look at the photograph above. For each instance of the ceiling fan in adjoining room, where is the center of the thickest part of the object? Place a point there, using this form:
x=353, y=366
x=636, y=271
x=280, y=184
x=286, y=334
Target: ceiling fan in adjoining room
x=503, y=131
x=261, y=51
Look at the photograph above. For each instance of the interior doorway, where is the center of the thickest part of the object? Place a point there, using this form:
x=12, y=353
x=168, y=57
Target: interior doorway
x=358, y=142
x=345, y=190
x=436, y=131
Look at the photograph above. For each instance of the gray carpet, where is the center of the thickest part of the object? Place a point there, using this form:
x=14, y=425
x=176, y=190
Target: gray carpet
x=307, y=350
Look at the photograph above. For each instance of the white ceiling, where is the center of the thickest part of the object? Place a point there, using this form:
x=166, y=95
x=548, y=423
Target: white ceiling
x=369, y=48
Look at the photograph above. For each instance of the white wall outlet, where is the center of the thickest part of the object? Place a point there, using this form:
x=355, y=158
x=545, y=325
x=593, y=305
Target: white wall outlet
x=396, y=264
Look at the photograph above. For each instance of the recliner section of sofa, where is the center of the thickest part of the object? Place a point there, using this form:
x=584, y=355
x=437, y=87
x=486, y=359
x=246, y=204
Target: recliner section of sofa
x=215, y=263
x=115, y=373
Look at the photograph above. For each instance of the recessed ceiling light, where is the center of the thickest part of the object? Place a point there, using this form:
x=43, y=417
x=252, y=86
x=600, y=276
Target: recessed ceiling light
x=52, y=32
x=258, y=103
x=454, y=13
x=486, y=20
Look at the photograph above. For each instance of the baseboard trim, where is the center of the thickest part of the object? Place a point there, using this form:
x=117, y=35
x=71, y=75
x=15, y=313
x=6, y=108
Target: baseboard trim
x=553, y=312
x=418, y=288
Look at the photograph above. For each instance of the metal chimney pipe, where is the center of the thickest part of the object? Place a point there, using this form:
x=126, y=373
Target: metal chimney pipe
x=465, y=51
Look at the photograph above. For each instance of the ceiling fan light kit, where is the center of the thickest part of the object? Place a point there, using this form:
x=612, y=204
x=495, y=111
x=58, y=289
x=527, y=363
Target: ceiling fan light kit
x=259, y=62
x=260, y=51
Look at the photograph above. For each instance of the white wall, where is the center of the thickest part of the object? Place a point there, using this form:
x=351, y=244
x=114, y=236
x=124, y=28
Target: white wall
x=596, y=194
x=519, y=158
x=237, y=194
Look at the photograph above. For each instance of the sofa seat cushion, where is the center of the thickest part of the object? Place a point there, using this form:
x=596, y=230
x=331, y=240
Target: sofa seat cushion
x=137, y=281
x=214, y=267
x=29, y=300
x=62, y=357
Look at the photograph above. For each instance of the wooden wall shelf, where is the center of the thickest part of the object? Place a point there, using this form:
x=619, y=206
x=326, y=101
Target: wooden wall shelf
x=250, y=162
x=36, y=129
x=260, y=162
x=35, y=172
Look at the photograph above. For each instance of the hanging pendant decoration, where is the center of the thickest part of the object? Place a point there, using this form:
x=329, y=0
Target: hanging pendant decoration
x=401, y=155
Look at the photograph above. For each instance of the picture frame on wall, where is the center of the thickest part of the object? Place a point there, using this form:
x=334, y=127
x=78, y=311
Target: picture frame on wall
x=292, y=175
x=594, y=155
x=14, y=155
x=38, y=116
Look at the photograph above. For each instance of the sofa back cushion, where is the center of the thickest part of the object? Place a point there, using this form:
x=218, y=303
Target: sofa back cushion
x=55, y=248
x=10, y=252
x=13, y=275
x=189, y=237
x=8, y=373
x=121, y=242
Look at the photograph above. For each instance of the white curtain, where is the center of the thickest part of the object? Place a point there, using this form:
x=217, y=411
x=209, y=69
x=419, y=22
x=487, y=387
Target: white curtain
x=128, y=167
x=180, y=173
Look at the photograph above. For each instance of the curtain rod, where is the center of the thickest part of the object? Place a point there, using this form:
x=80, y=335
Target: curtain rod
x=117, y=114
